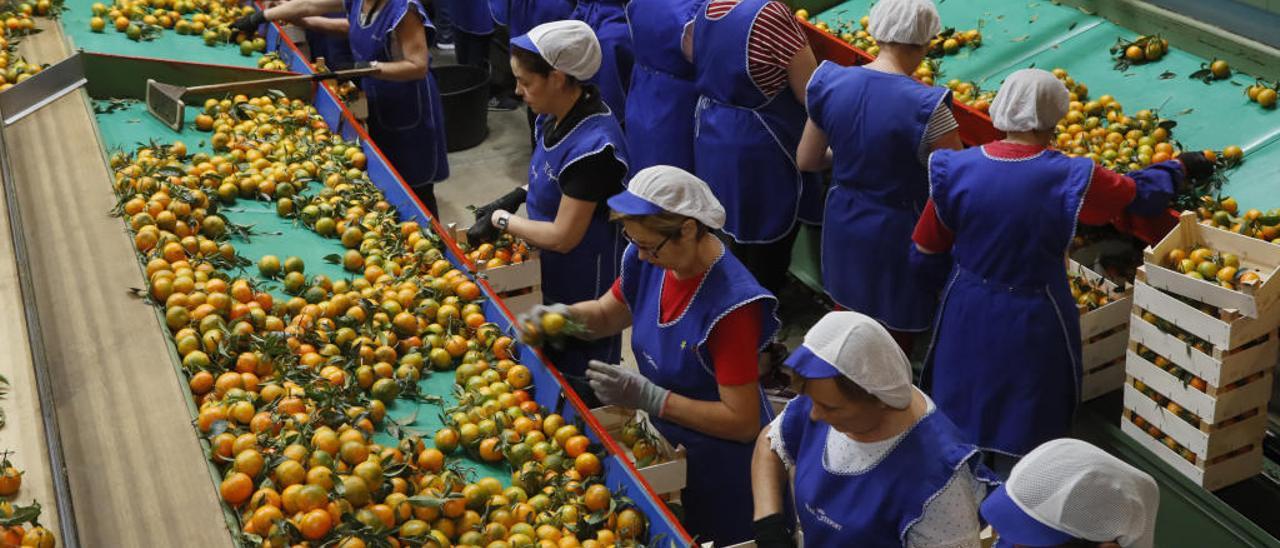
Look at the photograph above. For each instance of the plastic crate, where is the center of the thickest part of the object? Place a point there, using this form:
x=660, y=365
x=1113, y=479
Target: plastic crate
x=1250, y=300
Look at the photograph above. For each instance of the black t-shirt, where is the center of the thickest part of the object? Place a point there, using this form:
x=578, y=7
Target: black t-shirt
x=593, y=178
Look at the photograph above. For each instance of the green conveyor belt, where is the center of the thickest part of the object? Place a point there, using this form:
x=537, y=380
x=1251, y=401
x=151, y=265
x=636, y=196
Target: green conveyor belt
x=1024, y=33
x=126, y=127
x=1011, y=30
x=169, y=45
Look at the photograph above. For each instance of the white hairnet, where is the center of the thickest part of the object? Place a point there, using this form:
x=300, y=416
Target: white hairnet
x=859, y=348
x=904, y=21
x=569, y=46
x=1081, y=490
x=1030, y=100
x=673, y=190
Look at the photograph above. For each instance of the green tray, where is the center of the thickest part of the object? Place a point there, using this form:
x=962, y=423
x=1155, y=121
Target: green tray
x=1011, y=30
x=125, y=128
x=169, y=45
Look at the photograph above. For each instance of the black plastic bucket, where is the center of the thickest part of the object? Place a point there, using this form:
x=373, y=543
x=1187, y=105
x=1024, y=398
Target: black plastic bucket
x=464, y=92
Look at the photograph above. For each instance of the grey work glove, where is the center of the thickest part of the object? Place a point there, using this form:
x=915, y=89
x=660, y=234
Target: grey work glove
x=534, y=315
x=616, y=385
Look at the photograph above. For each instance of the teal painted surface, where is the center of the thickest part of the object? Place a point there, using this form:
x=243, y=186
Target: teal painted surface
x=1020, y=34
x=169, y=45
x=1011, y=30
x=125, y=128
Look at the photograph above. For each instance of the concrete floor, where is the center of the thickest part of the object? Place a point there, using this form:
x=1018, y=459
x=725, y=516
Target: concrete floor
x=481, y=174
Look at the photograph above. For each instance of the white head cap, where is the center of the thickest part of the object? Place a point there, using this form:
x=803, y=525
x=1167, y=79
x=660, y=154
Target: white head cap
x=669, y=189
x=904, y=21
x=1030, y=100
x=1067, y=489
x=858, y=347
x=569, y=46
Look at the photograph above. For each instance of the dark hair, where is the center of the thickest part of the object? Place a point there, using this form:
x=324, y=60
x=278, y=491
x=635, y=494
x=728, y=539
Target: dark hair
x=853, y=391
x=533, y=62
x=666, y=223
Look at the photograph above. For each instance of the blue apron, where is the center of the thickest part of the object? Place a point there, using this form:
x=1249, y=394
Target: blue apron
x=335, y=49
x=662, y=98
x=406, y=119
x=873, y=508
x=875, y=123
x=523, y=15
x=744, y=141
x=471, y=16
x=717, y=498
x=588, y=270
x=609, y=21
x=1005, y=360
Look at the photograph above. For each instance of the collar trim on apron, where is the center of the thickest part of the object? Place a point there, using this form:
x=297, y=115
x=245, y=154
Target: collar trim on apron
x=565, y=137
x=662, y=288
x=1023, y=159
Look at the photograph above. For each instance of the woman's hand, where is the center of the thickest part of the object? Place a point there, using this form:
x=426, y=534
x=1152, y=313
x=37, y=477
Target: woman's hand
x=616, y=385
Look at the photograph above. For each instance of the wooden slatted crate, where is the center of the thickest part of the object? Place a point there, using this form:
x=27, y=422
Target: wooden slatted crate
x=667, y=477
x=1250, y=300
x=1198, y=381
x=519, y=285
x=1104, y=334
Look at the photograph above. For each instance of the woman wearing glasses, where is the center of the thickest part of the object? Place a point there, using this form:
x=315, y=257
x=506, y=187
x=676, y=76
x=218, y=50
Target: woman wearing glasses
x=699, y=320
x=579, y=161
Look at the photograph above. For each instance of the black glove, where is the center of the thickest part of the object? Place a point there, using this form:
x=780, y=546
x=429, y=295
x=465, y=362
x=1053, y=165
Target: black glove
x=249, y=24
x=483, y=230
x=1199, y=168
x=773, y=531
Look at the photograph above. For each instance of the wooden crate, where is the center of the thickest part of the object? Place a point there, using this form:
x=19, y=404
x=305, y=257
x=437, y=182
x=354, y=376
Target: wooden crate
x=1251, y=300
x=1213, y=476
x=1213, y=404
x=1104, y=336
x=668, y=477
x=518, y=285
x=1240, y=347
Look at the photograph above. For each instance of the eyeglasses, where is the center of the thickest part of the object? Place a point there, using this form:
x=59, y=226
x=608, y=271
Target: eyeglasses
x=652, y=251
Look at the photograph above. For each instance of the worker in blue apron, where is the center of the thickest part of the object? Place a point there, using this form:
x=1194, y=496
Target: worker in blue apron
x=698, y=321
x=662, y=98
x=523, y=15
x=745, y=140
x=1067, y=492
x=1005, y=361
x=333, y=47
x=473, y=27
x=580, y=159
x=876, y=197
x=406, y=119
x=875, y=463
x=609, y=19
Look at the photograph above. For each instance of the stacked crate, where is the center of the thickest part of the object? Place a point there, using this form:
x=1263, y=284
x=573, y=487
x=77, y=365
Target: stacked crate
x=1200, y=358
x=1104, y=333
